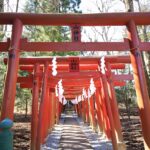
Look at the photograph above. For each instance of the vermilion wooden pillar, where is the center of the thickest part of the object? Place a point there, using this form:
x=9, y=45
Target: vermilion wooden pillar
x=109, y=111
x=140, y=82
x=83, y=111
x=50, y=110
x=77, y=110
x=92, y=112
x=114, y=108
x=105, y=118
x=80, y=109
x=57, y=110
x=35, y=100
x=11, y=78
x=98, y=108
x=46, y=113
x=54, y=109
x=60, y=109
x=86, y=111
x=42, y=116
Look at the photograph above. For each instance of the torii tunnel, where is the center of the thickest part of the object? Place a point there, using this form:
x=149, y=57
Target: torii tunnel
x=76, y=73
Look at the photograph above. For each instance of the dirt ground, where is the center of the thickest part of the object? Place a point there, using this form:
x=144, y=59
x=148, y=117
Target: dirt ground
x=131, y=131
x=21, y=132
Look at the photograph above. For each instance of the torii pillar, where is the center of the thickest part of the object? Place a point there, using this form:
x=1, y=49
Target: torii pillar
x=11, y=78
x=42, y=110
x=140, y=82
x=99, y=110
x=92, y=112
x=57, y=110
x=109, y=111
x=87, y=111
x=35, y=100
x=114, y=108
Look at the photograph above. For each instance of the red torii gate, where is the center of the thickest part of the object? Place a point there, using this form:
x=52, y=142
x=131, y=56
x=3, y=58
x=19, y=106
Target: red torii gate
x=27, y=82
x=133, y=44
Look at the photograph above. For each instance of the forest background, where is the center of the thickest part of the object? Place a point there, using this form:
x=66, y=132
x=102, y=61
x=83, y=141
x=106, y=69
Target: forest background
x=126, y=94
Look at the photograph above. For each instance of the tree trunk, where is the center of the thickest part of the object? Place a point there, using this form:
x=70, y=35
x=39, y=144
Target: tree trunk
x=129, y=5
x=145, y=55
x=26, y=108
x=17, y=5
x=1, y=10
x=1, y=5
x=126, y=102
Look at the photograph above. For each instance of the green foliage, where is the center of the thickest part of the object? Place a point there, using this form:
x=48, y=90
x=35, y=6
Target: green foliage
x=23, y=99
x=50, y=33
x=126, y=92
x=45, y=34
x=126, y=96
x=51, y=6
x=1, y=34
x=2, y=75
x=70, y=6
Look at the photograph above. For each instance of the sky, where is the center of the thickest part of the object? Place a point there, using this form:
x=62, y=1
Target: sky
x=87, y=6
x=90, y=6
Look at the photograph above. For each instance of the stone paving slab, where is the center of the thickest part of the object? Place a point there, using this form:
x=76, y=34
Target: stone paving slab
x=53, y=139
x=72, y=136
x=97, y=141
x=72, y=133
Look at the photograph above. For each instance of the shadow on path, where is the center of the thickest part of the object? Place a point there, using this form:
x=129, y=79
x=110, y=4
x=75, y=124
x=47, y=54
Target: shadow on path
x=72, y=136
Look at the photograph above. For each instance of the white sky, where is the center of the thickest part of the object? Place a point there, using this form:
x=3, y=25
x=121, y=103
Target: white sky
x=90, y=6
x=87, y=6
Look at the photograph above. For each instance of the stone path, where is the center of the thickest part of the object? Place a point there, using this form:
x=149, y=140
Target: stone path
x=73, y=134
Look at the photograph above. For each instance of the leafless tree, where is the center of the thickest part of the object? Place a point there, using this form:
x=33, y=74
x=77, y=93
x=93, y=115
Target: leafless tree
x=143, y=30
x=105, y=33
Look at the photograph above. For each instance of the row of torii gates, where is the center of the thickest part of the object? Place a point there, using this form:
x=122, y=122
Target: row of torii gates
x=75, y=72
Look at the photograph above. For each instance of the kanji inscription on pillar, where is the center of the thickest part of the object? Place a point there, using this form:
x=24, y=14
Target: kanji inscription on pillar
x=73, y=64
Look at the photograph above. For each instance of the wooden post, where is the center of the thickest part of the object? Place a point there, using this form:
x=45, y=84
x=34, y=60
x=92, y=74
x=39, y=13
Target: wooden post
x=35, y=100
x=50, y=110
x=79, y=109
x=76, y=109
x=57, y=110
x=107, y=102
x=99, y=111
x=114, y=108
x=47, y=115
x=54, y=109
x=105, y=117
x=87, y=110
x=83, y=110
x=42, y=115
x=60, y=109
x=92, y=112
x=11, y=78
x=140, y=82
